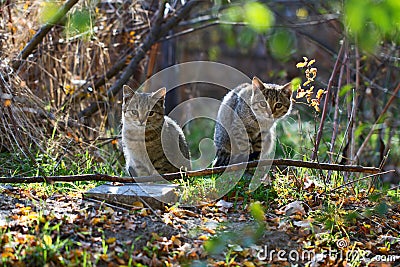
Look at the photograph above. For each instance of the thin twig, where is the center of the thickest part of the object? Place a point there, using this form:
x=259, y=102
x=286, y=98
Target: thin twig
x=326, y=104
x=379, y=224
x=10, y=20
x=89, y=86
x=205, y=172
x=25, y=149
x=395, y=187
x=347, y=132
x=158, y=31
x=215, y=21
x=336, y=113
x=355, y=106
x=377, y=122
x=102, y=202
x=350, y=124
x=361, y=179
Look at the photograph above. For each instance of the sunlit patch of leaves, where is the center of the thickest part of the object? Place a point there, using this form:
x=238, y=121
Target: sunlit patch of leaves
x=306, y=89
x=196, y=191
x=62, y=229
x=333, y=217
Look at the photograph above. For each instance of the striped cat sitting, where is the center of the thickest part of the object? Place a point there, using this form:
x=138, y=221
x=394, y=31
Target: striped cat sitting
x=152, y=142
x=253, y=109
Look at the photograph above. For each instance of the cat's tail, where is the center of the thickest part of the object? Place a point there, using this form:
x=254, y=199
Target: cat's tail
x=222, y=158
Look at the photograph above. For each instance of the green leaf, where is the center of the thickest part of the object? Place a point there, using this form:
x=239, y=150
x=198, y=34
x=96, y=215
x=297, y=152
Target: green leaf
x=246, y=37
x=370, y=21
x=329, y=224
x=352, y=217
x=80, y=21
x=360, y=128
x=381, y=18
x=394, y=7
x=374, y=197
x=47, y=240
x=233, y=14
x=215, y=245
x=345, y=89
x=367, y=213
x=257, y=212
x=369, y=38
x=48, y=12
x=295, y=83
x=229, y=35
x=258, y=16
x=394, y=195
x=281, y=44
x=355, y=12
x=213, y=53
x=382, y=208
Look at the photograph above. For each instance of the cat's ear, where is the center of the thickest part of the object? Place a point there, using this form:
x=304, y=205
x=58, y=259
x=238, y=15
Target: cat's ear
x=127, y=92
x=160, y=93
x=287, y=89
x=257, y=83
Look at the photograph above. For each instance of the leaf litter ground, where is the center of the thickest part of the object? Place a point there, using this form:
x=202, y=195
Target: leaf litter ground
x=66, y=229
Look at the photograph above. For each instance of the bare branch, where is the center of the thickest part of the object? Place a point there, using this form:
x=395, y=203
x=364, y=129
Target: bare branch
x=113, y=71
x=326, y=104
x=361, y=179
x=205, y=172
x=377, y=122
x=156, y=33
x=336, y=113
x=210, y=21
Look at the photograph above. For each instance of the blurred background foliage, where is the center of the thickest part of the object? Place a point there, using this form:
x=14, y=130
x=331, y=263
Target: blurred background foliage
x=371, y=22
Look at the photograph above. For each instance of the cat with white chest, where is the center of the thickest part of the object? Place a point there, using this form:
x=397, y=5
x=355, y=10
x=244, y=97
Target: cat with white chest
x=152, y=142
x=246, y=121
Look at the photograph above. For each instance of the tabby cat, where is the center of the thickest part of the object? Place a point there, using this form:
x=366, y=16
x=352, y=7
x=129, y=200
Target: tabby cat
x=152, y=142
x=249, y=113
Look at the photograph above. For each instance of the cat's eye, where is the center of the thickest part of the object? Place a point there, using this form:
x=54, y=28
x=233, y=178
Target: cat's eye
x=134, y=113
x=263, y=104
x=278, y=105
x=151, y=113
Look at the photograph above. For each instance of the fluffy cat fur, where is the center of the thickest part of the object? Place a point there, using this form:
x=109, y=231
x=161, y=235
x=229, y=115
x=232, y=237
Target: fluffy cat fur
x=249, y=112
x=152, y=142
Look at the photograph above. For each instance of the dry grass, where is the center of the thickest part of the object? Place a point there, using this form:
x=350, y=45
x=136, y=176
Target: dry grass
x=40, y=101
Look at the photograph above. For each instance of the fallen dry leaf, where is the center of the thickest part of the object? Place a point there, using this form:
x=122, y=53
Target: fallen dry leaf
x=295, y=207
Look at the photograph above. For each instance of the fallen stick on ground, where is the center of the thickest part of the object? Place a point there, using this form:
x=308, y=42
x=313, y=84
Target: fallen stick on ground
x=204, y=172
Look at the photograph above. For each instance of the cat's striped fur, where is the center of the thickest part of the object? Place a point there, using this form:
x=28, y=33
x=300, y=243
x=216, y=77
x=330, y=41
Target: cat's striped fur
x=152, y=142
x=245, y=128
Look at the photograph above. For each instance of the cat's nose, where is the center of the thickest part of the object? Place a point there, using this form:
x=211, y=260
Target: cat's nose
x=142, y=121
